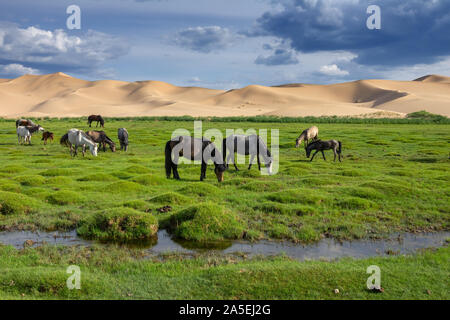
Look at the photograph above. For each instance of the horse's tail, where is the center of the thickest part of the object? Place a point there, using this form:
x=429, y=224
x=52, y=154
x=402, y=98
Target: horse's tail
x=64, y=139
x=168, y=153
x=340, y=147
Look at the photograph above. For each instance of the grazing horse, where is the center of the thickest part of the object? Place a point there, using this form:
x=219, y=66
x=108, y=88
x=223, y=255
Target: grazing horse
x=24, y=122
x=47, y=135
x=308, y=134
x=251, y=145
x=24, y=133
x=320, y=145
x=193, y=149
x=102, y=139
x=97, y=118
x=122, y=134
x=76, y=138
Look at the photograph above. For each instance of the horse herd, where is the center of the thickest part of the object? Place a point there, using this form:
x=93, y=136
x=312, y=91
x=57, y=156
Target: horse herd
x=191, y=148
x=74, y=138
x=203, y=150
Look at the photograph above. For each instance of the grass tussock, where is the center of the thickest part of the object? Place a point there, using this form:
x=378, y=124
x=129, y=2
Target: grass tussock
x=119, y=224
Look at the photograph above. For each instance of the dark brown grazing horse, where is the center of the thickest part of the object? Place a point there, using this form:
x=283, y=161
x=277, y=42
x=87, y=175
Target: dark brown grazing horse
x=47, y=135
x=101, y=138
x=97, y=118
x=320, y=145
x=25, y=123
x=191, y=148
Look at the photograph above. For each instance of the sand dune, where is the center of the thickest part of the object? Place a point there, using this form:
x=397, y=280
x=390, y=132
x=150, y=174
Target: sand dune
x=60, y=95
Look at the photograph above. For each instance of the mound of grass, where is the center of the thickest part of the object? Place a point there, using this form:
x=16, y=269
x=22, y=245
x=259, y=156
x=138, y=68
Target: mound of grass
x=364, y=192
x=259, y=186
x=58, y=181
x=283, y=209
x=304, y=196
x=149, y=180
x=14, y=203
x=354, y=203
x=199, y=189
x=99, y=176
x=124, y=187
x=320, y=180
x=59, y=172
x=351, y=173
x=388, y=188
x=137, y=169
x=64, y=197
x=31, y=180
x=234, y=182
x=170, y=198
x=137, y=204
x=9, y=185
x=119, y=224
x=308, y=234
x=12, y=169
x=206, y=222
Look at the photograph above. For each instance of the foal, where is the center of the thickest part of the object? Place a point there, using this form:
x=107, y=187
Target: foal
x=320, y=145
x=46, y=135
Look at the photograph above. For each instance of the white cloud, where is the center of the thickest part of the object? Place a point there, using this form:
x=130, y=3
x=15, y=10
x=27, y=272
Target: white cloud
x=52, y=50
x=333, y=70
x=15, y=69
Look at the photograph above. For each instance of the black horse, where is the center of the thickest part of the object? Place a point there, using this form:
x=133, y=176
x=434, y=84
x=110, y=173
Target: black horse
x=97, y=118
x=320, y=145
x=193, y=149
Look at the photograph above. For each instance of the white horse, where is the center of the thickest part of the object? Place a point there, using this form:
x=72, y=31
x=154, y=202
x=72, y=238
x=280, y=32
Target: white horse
x=24, y=133
x=78, y=138
x=251, y=145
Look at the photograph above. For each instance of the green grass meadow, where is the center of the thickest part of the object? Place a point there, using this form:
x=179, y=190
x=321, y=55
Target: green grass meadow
x=394, y=178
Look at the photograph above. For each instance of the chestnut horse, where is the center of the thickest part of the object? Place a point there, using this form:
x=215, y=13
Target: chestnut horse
x=102, y=139
x=47, y=135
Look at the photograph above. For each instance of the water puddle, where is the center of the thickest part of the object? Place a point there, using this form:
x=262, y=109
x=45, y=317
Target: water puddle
x=327, y=249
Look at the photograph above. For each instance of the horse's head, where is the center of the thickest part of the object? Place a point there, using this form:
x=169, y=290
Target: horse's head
x=298, y=141
x=40, y=128
x=113, y=147
x=93, y=149
x=219, y=171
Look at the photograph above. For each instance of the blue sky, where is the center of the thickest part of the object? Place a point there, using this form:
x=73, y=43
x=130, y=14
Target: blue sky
x=226, y=44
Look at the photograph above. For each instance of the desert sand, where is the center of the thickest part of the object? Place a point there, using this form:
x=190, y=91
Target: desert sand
x=60, y=95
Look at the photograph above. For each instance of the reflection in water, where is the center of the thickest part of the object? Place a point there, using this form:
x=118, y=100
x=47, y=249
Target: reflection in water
x=325, y=249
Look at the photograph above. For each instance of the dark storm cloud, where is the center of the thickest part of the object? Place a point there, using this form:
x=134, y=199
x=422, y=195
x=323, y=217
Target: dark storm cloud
x=413, y=31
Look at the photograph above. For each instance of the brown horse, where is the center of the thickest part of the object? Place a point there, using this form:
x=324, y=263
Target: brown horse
x=308, y=134
x=97, y=118
x=25, y=123
x=101, y=138
x=46, y=135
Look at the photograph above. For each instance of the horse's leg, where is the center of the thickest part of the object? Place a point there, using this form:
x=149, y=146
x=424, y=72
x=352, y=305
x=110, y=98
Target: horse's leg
x=334, y=150
x=252, y=157
x=203, y=171
x=175, y=172
x=323, y=155
x=259, y=162
x=312, y=158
